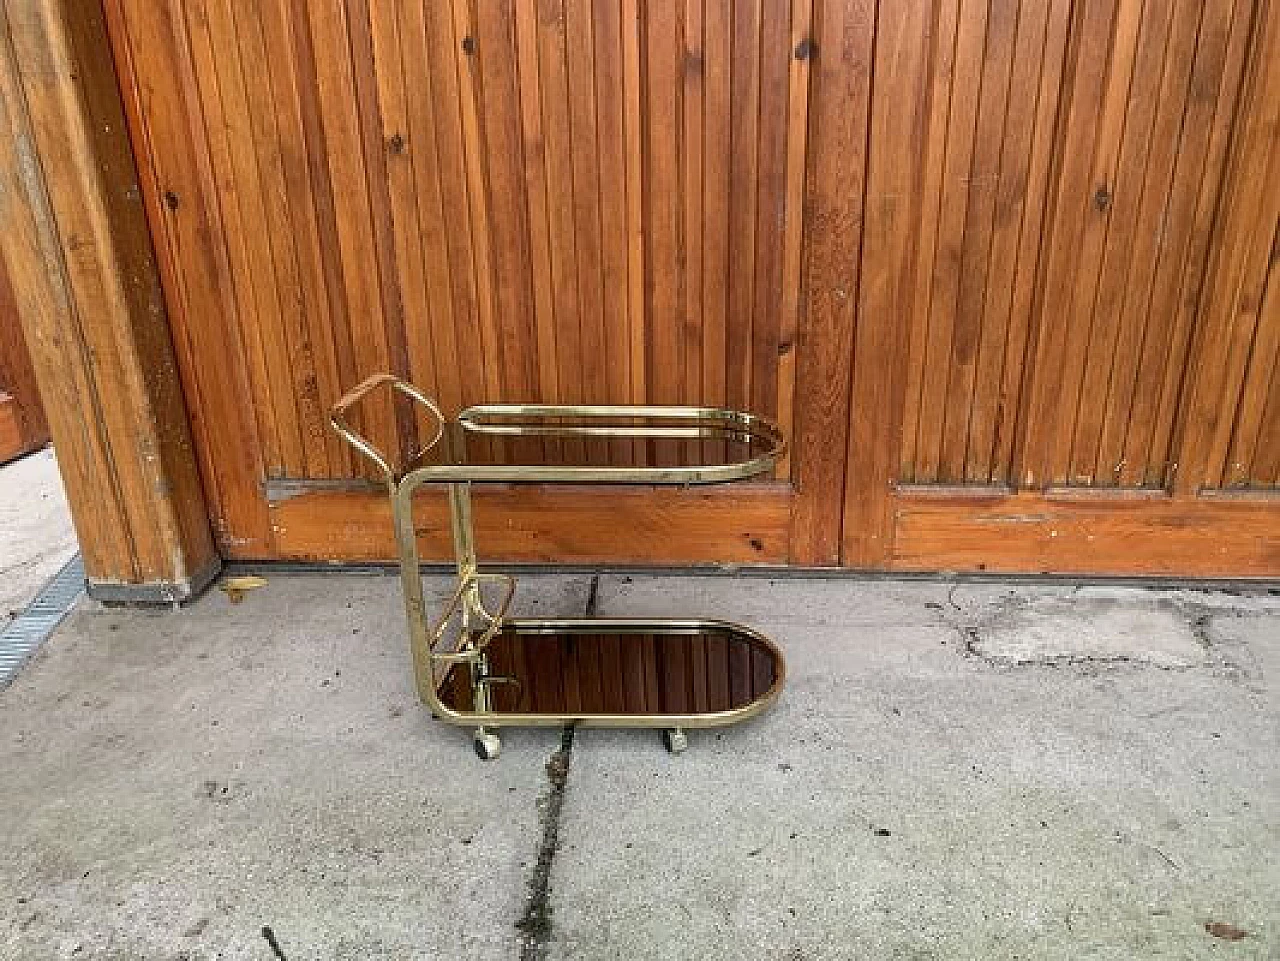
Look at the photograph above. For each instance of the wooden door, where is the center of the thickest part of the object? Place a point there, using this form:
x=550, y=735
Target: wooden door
x=998, y=267
x=22, y=422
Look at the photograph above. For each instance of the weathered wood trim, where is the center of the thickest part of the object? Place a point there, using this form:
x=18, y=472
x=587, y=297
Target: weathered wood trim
x=75, y=242
x=1070, y=532
x=543, y=524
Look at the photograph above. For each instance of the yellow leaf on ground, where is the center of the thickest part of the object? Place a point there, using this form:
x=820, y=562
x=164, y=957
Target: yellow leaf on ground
x=236, y=587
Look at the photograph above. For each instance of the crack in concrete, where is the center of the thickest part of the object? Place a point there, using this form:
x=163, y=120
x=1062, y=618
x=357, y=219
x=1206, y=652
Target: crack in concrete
x=1201, y=623
x=535, y=924
x=270, y=937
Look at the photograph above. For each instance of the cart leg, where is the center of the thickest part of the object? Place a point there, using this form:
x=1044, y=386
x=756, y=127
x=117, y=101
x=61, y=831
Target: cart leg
x=675, y=740
x=488, y=745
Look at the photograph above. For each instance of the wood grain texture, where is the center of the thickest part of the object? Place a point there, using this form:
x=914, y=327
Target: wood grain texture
x=1072, y=533
x=1001, y=244
x=15, y=440
x=23, y=425
x=77, y=251
x=550, y=524
x=1060, y=236
x=552, y=200
x=890, y=212
x=480, y=176
x=1235, y=347
x=839, y=111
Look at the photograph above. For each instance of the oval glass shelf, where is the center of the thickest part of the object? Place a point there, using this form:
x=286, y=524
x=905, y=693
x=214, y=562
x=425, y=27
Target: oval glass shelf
x=540, y=443
x=610, y=672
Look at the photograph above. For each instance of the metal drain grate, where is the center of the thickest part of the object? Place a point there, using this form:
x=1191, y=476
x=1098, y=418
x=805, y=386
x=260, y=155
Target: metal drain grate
x=26, y=632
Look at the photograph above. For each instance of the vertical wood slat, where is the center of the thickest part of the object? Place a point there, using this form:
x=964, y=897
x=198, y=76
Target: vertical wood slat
x=403, y=223
x=794, y=230
x=1264, y=470
x=463, y=49
x=375, y=151
x=1050, y=349
x=917, y=419
x=304, y=413
x=744, y=114
x=994, y=75
x=662, y=216
x=608, y=37
x=948, y=327
x=838, y=112
x=338, y=106
x=1247, y=463
x=250, y=287
x=1096, y=195
x=540, y=246
x=1010, y=422
x=315, y=296
x=693, y=145
x=557, y=148
x=435, y=146
x=975, y=347
x=74, y=245
x=771, y=215
x=717, y=157
x=885, y=285
x=584, y=165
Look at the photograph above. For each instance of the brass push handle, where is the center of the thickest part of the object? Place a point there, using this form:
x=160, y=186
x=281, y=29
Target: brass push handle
x=337, y=417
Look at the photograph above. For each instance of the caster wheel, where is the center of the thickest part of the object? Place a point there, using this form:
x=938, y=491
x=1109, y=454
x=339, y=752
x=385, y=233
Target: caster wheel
x=675, y=740
x=488, y=746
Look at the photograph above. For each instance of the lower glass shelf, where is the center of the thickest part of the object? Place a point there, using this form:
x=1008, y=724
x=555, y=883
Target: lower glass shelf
x=617, y=673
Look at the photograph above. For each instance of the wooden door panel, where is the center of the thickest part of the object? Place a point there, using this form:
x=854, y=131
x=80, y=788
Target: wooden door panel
x=1062, y=237
x=552, y=200
x=1065, y=298
x=23, y=427
x=1125, y=252
x=1226, y=432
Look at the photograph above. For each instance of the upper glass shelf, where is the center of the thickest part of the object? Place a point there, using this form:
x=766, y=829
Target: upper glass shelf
x=539, y=443
x=570, y=444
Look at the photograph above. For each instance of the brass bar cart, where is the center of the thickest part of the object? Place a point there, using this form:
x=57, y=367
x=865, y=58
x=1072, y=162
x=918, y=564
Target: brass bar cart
x=475, y=665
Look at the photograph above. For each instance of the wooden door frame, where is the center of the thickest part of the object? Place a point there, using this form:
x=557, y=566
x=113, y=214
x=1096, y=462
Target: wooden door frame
x=77, y=250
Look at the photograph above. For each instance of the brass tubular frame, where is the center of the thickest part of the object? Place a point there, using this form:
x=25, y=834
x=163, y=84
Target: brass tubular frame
x=434, y=648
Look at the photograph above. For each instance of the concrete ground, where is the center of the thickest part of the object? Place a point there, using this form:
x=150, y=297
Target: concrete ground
x=36, y=537
x=954, y=771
